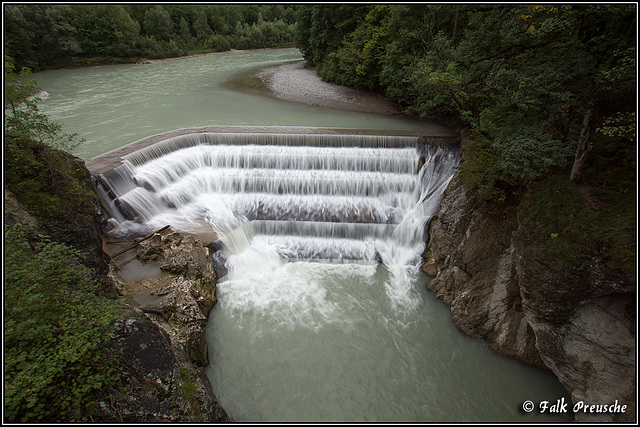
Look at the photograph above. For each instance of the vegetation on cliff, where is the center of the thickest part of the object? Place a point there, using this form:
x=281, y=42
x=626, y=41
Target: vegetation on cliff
x=73, y=353
x=55, y=331
x=56, y=322
x=44, y=36
x=545, y=93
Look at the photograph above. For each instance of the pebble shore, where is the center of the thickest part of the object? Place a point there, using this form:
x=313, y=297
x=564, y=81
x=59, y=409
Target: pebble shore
x=293, y=82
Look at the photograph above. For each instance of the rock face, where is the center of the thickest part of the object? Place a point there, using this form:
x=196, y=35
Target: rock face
x=157, y=383
x=189, y=294
x=161, y=341
x=474, y=260
x=578, y=322
x=79, y=225
x=162, y=336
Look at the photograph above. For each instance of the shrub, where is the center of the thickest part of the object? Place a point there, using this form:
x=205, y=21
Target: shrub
x=56, y=328
x=530, y=152
x=481, y=169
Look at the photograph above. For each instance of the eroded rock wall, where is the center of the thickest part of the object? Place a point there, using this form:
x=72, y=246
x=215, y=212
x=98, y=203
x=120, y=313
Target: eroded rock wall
x=158, y=382
x=577, y=322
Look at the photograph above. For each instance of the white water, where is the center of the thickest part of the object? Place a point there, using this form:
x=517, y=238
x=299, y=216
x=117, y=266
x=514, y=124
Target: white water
x=326, y=342
x=365, y=195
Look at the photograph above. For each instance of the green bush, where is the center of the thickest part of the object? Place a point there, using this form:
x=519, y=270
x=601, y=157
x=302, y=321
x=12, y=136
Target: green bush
x=555, y=214
x=531, y=152
x=481, y=169
x=55, y=331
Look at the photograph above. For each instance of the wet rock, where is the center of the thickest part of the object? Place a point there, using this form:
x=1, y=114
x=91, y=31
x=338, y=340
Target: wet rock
x=584, y=321
x=164, y=339
x=473, y=258
x=187, y=290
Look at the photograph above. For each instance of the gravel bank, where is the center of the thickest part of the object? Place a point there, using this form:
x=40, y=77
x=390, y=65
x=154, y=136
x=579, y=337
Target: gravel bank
x=293, y=82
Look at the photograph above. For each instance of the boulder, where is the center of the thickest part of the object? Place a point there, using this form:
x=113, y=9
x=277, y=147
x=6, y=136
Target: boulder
x=184, y=292
x=163, y=339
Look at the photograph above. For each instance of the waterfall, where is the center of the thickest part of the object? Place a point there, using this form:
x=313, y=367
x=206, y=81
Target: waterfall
x=330, y=198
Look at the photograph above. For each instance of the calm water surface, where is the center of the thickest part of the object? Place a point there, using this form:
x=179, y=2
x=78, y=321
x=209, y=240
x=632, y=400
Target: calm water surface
x=302, y=341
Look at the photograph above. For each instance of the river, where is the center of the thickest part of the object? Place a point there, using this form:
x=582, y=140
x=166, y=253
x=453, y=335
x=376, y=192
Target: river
x=303, y=341
x=113, y=105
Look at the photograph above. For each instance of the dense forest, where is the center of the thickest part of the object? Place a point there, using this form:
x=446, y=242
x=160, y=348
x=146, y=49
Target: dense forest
x=43, y=36
x=533, y=80
x=546, y=93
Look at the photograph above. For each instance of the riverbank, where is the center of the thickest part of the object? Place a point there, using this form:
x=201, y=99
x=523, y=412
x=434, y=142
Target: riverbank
x=297, y=83
x=81, y=62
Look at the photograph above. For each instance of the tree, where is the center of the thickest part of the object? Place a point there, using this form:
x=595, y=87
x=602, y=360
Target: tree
x=18, y=36
x=532, y=80
x=158, y=23
x=105, y=30
x=202, y=29
x=55, y=325
x=22, y=117
x=614, y=73
x=39, y=36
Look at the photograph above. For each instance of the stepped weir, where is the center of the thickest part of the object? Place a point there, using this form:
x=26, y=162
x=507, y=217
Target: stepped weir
x=321, y=197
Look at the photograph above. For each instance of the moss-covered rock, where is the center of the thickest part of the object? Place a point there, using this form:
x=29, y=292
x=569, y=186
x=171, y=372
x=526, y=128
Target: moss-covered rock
x=56, y=189
x=158, y=382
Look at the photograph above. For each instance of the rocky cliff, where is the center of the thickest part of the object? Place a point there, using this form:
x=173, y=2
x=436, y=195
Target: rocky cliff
x=577, y=321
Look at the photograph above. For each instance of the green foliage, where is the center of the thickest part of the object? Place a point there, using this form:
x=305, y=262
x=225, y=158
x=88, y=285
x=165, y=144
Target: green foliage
x=158, y=24
x=190, y=393
x=38, y=35
x=22, y=117
x=556, y=216
x=55, y=330
x=523, y=75
x=481, y=169
x=573, y=224
x=531, y=153
x=36, y=168
x=622, y=124
x=41, y=36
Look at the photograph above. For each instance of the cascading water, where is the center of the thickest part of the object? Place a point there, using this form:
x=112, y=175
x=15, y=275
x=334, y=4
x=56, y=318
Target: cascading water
x=348, y=332
x=313, y=196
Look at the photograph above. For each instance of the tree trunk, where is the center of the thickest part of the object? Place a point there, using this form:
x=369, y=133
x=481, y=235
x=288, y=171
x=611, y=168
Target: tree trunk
x=455, y=26
x=583, y=146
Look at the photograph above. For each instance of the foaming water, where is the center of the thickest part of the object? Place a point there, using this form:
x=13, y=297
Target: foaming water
x=339, y=342
x=347, y=332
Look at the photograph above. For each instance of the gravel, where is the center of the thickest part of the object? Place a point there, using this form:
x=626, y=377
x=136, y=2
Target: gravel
x=293, y=82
